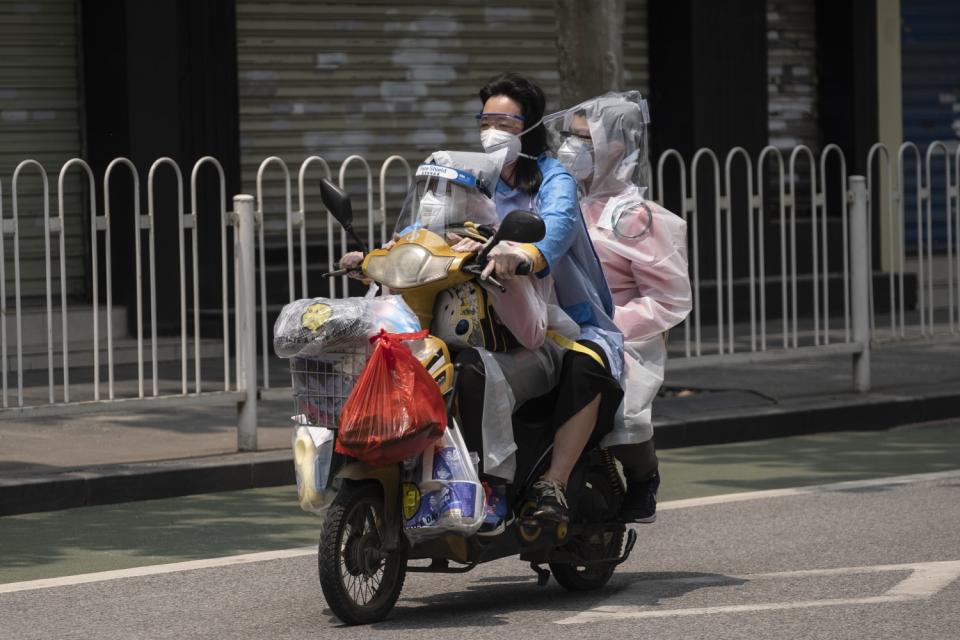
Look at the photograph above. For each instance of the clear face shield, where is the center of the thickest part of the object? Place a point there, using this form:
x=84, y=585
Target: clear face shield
x=445, y=198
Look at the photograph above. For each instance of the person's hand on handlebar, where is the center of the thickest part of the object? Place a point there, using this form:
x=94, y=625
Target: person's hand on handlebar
x=504, y=260
x=465, y=245
x=351, y=262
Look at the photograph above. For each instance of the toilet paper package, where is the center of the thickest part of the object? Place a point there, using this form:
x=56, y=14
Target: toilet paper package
x=442, y=492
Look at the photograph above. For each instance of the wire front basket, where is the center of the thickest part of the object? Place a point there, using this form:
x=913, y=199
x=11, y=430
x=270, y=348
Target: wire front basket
x=322, y=384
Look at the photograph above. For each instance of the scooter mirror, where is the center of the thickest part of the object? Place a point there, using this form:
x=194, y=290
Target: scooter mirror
x=521, y=226
x=337, y=202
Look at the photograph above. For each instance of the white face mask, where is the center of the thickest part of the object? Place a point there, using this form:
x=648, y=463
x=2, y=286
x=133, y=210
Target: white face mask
x=496, y=140
x=434, y=208
x=576, y=154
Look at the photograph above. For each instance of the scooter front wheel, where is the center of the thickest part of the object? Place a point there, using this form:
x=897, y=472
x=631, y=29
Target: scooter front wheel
x=360, y=580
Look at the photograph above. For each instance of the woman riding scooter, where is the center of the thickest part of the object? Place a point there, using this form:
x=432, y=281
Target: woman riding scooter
x=488, y=329
x=643, y=249
x=588, y=392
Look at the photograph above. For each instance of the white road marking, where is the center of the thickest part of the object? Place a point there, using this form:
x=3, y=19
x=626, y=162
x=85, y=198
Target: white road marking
x=925, y=580
x=802, y=491
x=175, y=567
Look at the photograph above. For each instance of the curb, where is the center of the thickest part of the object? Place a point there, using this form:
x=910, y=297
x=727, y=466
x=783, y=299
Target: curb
x=112, y=484
x=866, y=412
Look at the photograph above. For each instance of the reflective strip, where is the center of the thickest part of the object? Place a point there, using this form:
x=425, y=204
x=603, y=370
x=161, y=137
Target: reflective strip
x=567, y=343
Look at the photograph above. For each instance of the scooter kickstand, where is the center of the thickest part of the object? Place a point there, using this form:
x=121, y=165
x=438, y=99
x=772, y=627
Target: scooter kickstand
x=543, y=575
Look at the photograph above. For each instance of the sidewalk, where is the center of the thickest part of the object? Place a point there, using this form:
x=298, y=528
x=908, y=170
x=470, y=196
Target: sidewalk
x=119, y=454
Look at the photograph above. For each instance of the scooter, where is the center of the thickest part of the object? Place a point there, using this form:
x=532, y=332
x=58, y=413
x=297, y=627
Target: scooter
x=364, y=554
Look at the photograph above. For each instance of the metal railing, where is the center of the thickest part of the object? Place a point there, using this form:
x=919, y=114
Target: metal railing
x=777, y=193
x=100, y=230
x=778, y=288
x=755, y=185
x=297, y=220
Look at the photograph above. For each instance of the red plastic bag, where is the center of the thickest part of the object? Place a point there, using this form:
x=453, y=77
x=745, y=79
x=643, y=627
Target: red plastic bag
x=395, y=409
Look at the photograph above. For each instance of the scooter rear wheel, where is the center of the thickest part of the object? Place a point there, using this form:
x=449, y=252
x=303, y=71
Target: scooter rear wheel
x=361, y=582
x=587, y=578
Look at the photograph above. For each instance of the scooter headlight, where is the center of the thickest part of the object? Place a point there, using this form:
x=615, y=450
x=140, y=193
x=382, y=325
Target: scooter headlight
x=408, y=266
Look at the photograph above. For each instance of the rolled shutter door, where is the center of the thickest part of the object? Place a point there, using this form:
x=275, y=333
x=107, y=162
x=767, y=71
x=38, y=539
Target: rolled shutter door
x=40, y=119
x=380, y=78
x=931, y=97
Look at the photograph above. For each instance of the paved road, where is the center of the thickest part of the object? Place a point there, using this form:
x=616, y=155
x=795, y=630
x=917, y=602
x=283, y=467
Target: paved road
x=874, y=559
x=865, y=561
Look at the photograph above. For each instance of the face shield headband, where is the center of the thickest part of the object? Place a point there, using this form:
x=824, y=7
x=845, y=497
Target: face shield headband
x=456, y=176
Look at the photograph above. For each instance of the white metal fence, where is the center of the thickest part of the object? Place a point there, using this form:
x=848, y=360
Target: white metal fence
x=296, y=222
x=790, y=250
x=100, y=229
x=773, y=186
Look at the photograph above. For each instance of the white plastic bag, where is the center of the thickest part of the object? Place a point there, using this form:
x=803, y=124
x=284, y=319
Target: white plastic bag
x=442, y=492
x=312, y=456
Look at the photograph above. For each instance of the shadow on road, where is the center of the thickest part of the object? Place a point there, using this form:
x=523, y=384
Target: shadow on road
x=490, y=600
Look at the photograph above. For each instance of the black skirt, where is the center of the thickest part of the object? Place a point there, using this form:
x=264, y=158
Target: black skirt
x=581, y=380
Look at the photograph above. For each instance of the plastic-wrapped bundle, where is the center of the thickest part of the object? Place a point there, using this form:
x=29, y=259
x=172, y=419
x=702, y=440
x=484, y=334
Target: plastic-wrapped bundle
x=314, y=326
x=442, y=492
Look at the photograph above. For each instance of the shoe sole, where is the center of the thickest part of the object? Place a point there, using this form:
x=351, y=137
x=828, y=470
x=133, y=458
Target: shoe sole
x=638, y=520
x=500, y=528
x=543, y=522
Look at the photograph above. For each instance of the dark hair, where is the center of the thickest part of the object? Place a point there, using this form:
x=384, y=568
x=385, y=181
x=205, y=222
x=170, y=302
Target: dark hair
x=532, y=105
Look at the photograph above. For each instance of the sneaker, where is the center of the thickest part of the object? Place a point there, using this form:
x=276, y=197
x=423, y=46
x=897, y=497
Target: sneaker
x=551, y=501
x=640, y=504
x=495, y=519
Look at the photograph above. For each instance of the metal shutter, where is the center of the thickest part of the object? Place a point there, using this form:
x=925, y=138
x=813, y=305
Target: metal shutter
x=792, y=74
x=39, y=119
x=378, y=78
x=931, y=95
x=636, y=52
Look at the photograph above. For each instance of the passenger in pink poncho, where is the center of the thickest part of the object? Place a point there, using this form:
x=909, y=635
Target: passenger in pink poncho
x=643, y=250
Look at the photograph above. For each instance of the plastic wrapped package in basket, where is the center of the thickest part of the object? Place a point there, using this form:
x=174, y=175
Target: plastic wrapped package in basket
x=322, y=384
x=320, y=327
x=328, y=343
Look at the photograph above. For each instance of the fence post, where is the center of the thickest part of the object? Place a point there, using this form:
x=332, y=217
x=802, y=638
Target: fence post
x=861, y=281
x=246, y=310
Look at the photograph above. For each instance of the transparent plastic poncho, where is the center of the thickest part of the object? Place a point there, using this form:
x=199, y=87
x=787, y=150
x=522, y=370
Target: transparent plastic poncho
x=610, y=133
